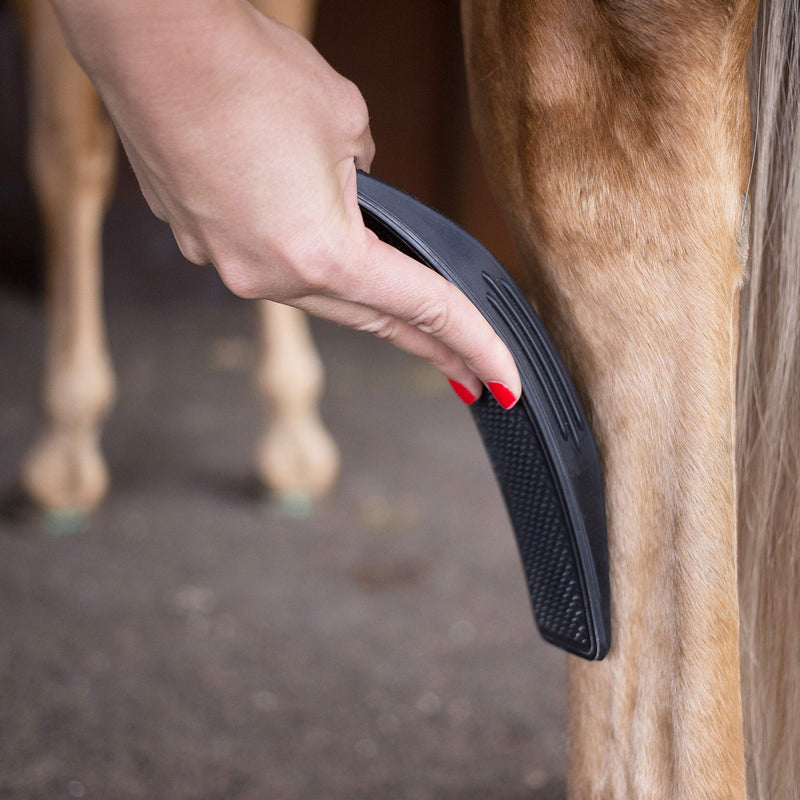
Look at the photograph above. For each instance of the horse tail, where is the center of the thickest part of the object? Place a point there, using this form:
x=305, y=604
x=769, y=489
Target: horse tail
x=768, y=424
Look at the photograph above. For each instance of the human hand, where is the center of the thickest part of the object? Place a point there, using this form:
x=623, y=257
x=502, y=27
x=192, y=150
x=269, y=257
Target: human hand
x=247, y=142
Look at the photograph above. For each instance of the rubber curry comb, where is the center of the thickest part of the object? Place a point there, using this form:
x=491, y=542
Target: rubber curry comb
x=542, y=450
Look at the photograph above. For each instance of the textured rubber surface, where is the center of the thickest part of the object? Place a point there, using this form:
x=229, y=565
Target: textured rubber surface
x=542, y=450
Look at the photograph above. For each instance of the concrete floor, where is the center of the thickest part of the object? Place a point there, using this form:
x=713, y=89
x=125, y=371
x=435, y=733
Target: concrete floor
x=195, y=640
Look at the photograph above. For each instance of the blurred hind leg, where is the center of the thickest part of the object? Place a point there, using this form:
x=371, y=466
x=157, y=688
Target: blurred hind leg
x=72, y=153
x=296, y=454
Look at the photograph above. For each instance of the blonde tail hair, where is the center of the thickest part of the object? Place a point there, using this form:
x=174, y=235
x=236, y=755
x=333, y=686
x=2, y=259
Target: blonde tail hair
x=768, y=453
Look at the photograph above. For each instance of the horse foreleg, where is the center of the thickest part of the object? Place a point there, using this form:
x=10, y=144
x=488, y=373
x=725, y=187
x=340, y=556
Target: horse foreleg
x=72, y=152
x=296, y=455
x=617, y=136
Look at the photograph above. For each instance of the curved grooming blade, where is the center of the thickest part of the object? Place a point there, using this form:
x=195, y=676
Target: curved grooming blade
x=542, y=450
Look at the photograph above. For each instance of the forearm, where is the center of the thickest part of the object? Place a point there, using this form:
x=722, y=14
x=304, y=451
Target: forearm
x=101, y=33
x=164, y=58
x=174, y=74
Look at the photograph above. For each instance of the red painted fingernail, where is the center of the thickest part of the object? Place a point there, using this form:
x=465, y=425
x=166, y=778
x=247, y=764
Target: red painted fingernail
x=502, y=394
x=464, y=394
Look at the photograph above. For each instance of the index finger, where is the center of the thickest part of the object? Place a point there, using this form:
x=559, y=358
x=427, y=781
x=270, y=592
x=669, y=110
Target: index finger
x=395, y=284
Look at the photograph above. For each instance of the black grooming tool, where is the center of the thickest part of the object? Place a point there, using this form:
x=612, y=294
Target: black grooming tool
x=542, y=450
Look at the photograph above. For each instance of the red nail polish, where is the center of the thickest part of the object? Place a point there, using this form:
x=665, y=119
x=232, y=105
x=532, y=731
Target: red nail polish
x=464, y=394
x=502, y=394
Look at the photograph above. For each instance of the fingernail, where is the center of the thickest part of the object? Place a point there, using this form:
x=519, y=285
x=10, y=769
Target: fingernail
x=464, y=394
x=502, y=394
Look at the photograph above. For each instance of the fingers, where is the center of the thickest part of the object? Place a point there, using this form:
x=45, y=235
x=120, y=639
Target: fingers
x=398, y=287
x=399, y=333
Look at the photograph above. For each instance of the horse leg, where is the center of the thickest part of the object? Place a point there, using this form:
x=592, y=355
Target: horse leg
x=296, y=454
x=617, y=138
x=72, y=151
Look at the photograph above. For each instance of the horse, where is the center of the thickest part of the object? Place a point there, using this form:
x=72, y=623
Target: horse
x=662, y=249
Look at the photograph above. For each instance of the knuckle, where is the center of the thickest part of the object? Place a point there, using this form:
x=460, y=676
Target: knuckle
x=191, y=249
x=159, y=212
x=434, y=318
x=238, y=280
x=354, y=108
x=245, y=290
x=153, y=201
x=382, y=326
x=320, y=263
x=315, y=271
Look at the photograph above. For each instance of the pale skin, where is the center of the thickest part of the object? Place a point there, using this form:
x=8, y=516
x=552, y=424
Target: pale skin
x=247, y=143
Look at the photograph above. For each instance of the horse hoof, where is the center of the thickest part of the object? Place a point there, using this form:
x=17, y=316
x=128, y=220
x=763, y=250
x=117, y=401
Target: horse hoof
x=295, y=461
x=65, y=474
